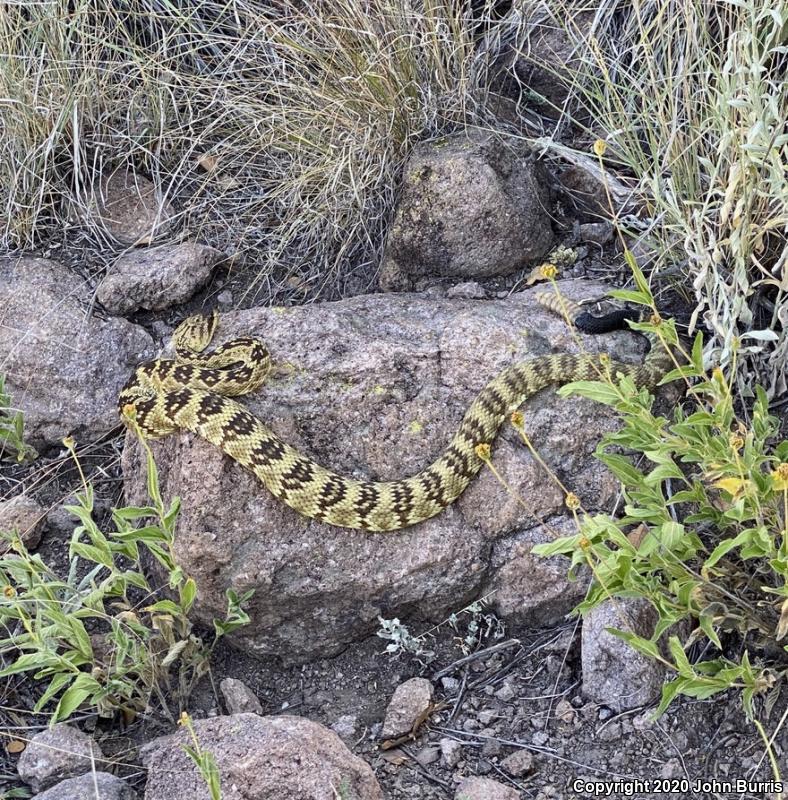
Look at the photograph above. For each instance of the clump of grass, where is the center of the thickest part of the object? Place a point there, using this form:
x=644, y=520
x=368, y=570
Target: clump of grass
x=85, y=633
x=692, y=99
x=279, y=128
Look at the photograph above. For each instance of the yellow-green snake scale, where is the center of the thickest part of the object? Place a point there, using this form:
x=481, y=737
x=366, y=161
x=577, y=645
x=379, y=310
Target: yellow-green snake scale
x=194, y=391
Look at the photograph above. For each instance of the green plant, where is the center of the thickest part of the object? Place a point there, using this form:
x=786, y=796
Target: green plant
x=94, y=634
x=473, y=624
x=12, y=428
x=203, y=759
x=704, y=536
x=692, y=99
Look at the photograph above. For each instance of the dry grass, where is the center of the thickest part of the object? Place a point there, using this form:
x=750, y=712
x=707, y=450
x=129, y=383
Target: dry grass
x=279, y=129
x=692, y=99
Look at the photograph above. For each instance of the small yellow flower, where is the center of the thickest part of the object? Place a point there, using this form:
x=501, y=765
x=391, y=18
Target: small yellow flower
x=604, y=359
x=780, y=477
x=483, y=451
x=600, y=146
x=69, y=443
x=548, y=270
x=572, y=501
x=655, y=319
x=129, y=410
x=735, y=441
x=518, y=420
x=184, y=718
x=9, y=591
x=584, y=543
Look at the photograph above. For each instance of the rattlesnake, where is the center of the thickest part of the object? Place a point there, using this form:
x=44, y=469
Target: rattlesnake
x=193, y=392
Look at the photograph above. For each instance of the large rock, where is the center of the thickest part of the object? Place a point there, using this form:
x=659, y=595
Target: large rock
x=64, y=367
x=551, y=55
x=376, y=386
x=156, y=277
x=91, y=786
x=260, y=758
x=470, y=207
x=613, y=672
x=56, y=754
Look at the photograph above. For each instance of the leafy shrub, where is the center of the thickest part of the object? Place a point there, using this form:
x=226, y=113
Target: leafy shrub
x=89, y=633
x=704, y=536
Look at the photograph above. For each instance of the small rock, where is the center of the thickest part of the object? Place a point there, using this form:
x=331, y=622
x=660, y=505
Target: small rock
x=451, y=752
x=610, y=733
x=485, y=789
x=467, y=291
x=614, y=673
x=518, y=763
x=239, y=698
x=450, y=685
x=345, y=726
x=130, y=208
x=56, y=754
x=506, y=693
x=565, y=712
x=671, y=769
x=428, y=755
x=540, y=738
x=90, y=786
x=597, y=232
x=157, y=277
x=23, y=515
x=225, y=298
x=491, y=748
x=409, y=702
x=487, y=716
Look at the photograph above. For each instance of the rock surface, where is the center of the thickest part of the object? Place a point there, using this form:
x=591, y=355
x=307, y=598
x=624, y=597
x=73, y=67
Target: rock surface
x=64, y=368
x=547, y=62
x=613, y=673
x=532, y=590
x=410, y=702
x=23, y=515
x=130, y=208
x=91, y=786
x=485, y=789
x=470, y=207
x=56, y=754
x=375, y=386
x=156, y=277
x=260, y=758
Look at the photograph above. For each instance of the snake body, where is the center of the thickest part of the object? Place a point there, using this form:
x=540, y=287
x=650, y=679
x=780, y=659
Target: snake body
x=194, y=391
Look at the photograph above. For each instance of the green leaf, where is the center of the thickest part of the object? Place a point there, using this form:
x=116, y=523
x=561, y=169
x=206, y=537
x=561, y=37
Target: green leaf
x=595, y=390
x=644, y=646
x=57, y=683
x=628, y=296
x=83, y=687
x=188, y=592
x=669, y=692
